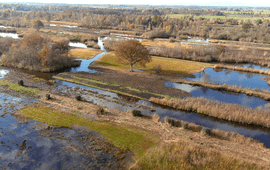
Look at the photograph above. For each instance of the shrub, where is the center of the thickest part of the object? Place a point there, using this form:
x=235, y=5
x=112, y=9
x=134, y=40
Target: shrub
x=100, y=111
x=38, y=53
x=136, y=113
x=20, y=82
x=78, y=97
x=206, y=131
x=48, y=96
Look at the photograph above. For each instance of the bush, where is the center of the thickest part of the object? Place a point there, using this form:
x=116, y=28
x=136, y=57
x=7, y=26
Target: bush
x=78, y=97
x=100, y=111
x=20, y=82
x=38, y=53
x=157, y=69
x=136, y=113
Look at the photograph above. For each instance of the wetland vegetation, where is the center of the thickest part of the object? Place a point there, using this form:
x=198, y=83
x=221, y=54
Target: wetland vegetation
x=97, y=100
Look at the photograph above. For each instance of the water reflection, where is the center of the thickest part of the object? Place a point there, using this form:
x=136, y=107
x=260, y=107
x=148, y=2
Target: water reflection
x=231, y=77
x=12, y=35
x=223, y=96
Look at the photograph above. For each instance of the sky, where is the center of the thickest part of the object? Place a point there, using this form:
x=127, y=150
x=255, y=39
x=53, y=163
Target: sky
x=261, y=3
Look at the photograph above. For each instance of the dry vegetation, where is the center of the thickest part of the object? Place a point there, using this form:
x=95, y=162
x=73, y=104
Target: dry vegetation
x=38, y=53
x=83, y=53
x=230, y=112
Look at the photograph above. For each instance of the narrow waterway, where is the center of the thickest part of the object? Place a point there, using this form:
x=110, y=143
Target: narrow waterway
x=223, y=96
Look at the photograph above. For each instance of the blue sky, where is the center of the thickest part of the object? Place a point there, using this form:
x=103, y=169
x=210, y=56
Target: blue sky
x=263, y=3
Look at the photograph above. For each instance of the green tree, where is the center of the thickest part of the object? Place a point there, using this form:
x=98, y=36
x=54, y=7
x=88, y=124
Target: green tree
x=130, y=52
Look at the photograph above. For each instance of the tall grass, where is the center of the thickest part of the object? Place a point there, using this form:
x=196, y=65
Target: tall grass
x=230, y=112
x=230, y=136
x=189, y=155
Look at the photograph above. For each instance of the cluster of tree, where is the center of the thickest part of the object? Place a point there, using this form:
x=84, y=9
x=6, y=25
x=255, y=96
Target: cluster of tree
x=153, y=21
x=36, y=52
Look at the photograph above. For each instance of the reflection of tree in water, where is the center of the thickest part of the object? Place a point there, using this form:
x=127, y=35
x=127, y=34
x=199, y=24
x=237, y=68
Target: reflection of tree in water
x=249, y=75
x=204, y=89
x=227, y=71
x=206, y=77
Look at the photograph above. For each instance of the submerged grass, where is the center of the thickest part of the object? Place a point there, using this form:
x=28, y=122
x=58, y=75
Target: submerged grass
x=121, y=136
x=168, y=65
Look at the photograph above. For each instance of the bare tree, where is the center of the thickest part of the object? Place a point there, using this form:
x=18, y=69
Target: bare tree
x=132, y=52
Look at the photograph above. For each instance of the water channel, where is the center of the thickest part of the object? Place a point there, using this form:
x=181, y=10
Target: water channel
x=231, y=77
x=124, y=104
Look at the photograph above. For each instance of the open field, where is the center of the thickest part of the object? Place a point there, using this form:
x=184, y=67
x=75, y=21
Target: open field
x=168, y=65
x=83, y=53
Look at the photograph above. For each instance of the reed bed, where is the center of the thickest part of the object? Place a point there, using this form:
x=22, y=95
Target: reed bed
x=230, y=112
x=230, y=136
x=243, y=69
x=264, y=94
x=189, y=155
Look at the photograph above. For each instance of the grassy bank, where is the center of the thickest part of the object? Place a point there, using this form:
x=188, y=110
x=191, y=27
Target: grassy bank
x=168, y=65
x=230, y=112
x=189, y=155
x=124, y=90
x=20, y=89
x=264, y=94
x=122, y=136
x=82, y=53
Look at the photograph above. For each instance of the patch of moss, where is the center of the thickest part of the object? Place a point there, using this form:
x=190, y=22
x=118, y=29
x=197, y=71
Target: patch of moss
x=121, y=136
x=18, y=88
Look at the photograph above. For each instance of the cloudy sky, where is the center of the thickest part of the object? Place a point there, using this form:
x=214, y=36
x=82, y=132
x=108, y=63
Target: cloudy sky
x=263, y=3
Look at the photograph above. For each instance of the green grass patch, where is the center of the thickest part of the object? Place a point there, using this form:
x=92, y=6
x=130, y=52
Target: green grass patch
x=168, y=65
x=121, y=136
x=18, y=88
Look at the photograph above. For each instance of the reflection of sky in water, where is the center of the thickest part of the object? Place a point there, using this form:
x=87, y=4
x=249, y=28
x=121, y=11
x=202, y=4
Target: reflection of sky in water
x=3, y=73
x=231, y=78
x=12, y=35
x=235, y=98
x=78, y=45
x=258, y=67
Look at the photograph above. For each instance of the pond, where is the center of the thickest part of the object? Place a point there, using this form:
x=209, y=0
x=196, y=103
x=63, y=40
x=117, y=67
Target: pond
x=223, y=96
x=12, y=35
x=77, y=45
x=231, y=77
x=253, y=66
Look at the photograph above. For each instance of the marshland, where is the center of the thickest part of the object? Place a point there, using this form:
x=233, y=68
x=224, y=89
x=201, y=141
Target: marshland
x=198, y=100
